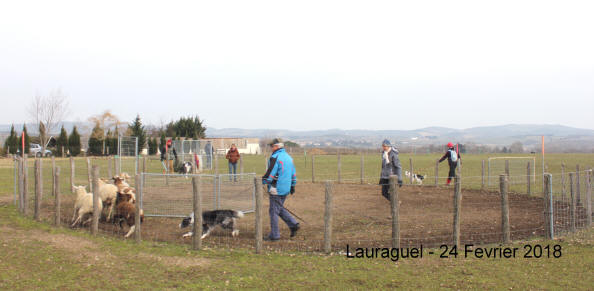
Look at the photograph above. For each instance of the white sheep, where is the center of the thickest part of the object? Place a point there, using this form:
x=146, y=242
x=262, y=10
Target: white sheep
x=83, y=205
x=108, y=192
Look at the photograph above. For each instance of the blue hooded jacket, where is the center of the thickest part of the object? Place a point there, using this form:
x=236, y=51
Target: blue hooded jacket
x=281, y=172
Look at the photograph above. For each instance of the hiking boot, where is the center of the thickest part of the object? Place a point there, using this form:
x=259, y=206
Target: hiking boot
x=294, y=230
x=271, y=239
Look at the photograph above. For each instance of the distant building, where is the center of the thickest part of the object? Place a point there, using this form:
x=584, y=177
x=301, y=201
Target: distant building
x=244, y=145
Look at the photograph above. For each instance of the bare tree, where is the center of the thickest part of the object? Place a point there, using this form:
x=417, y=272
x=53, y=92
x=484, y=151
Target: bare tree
x=47, y=112
x=105, y=120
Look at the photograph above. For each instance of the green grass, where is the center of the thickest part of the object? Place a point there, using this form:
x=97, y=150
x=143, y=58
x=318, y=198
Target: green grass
x=27, y=261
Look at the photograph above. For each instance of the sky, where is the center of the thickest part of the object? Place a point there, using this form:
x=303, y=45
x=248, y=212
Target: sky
x=304, y=65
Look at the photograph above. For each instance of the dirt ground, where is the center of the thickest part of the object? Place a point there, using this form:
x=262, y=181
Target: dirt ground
x=361, y=217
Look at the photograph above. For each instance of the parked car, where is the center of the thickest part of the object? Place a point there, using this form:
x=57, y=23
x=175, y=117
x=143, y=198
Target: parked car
x=35, y=150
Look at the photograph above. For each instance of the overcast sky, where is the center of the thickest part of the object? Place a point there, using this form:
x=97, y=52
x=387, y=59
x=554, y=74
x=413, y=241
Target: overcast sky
x=304, y=64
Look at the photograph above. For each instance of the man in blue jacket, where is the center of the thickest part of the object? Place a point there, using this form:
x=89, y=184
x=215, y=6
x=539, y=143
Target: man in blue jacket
x=281, y=179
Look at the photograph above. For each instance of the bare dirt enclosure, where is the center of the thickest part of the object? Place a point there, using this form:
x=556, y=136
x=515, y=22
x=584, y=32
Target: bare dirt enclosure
x=361, y=218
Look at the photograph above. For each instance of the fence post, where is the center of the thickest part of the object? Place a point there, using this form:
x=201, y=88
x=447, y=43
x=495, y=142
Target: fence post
x=457, y=206
x=57, y=196
x=53, y=169
x=241, y=164
x=21, y=185
x=572, y=209
x=89, y=174
x=563, y=181
x=548, y=225
x=37, y=189
x=328, y=219
x=589, y=198
x=258, y=216
x=18, y=179
x=25, y=185
x=72, y=174
x=197, y=208
x=63, y=153
x=504, y=208
x=144, y=164
x=313, y=168
x=96, y=200
x=216, y=163
x=411, y=170
x=577, y=185
x=436, y=172
x=483, y=175
x=528, y=174
x=109, y=169
x=138, y=205
x=507, y=167
x=339, y=166
x=394, y=211
x=362, y=169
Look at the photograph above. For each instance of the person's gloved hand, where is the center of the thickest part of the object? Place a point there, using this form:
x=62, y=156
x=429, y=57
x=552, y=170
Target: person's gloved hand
x=292, y=189
x=399, y=183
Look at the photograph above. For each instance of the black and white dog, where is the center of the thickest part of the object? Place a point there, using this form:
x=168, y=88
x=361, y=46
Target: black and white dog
x=417, y=179
x=210, y=219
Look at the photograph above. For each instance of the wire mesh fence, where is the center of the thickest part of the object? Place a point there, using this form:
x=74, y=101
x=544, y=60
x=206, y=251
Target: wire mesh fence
x=127, y=150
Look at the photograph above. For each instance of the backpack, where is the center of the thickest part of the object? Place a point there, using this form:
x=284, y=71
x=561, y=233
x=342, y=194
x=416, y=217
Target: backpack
x=453, y=156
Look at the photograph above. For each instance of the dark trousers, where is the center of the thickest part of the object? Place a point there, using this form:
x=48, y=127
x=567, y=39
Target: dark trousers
x=452, y=173
x=276, y=210
x=385, y=188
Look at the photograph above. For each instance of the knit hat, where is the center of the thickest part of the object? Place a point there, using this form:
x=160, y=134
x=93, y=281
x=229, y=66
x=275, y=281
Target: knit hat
x=386, y=143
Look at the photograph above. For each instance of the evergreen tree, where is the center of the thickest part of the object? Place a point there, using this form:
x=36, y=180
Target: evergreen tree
x=62, y=142
x=187, y=127
x=11, y=143
x=96, y=141
x=137, y=130
x=152, y=146
x=74, y=142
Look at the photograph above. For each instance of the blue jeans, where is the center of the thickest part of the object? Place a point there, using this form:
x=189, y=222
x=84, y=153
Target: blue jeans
x=277, y=209
x=233, y=171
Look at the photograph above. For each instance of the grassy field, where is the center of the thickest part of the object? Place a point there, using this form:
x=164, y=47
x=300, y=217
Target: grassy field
x=38, y=256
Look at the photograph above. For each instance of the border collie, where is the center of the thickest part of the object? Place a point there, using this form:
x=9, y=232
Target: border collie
x=210, y=219
x=417, y=179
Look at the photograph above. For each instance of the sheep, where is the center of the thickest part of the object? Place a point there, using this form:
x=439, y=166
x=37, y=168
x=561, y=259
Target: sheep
x=126, y=211
x=83, y=205
x=108, y=192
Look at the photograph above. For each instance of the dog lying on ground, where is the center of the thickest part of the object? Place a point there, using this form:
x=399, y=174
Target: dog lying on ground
x=417, y=179
x=210, y=219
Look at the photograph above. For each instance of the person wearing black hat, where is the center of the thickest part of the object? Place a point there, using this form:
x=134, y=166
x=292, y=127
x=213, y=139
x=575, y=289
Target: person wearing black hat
x=281, y=179
x=390, y=166
x=453, y=156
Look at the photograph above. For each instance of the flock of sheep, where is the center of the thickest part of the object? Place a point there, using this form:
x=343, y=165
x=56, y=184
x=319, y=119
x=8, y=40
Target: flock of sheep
x=118, y=198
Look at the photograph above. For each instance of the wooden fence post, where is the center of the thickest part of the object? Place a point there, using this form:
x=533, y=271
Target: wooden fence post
x=216, y=163
x=563, y=195
x=577, y=185
x=362, y=169
x=457, y=207
x=338, y=167
x=411, y=170
x=547, y=206
x=258, y=216
x=63, y=153
x=37, y=189
x=436, y=172
x=504, y=208
x=144, y=163
x=528, y=178
x=197, y=207
x=72, y=169
x=572, y=214
x=89, y=174
x=53, y=170
x=96, y=200
x=589, y=198
x=483, y=175
x=241, y=164
x=21, y=185
x=328, y=219
x=138, y=204
x=109, y=169
x=313, y=169
x=507, y=167
x=394, y=211
x=57, y=201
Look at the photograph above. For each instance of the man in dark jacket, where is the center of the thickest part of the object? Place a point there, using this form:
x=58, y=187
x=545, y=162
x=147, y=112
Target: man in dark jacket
x=390, y=166
x=453, y=156
x=233, y=156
